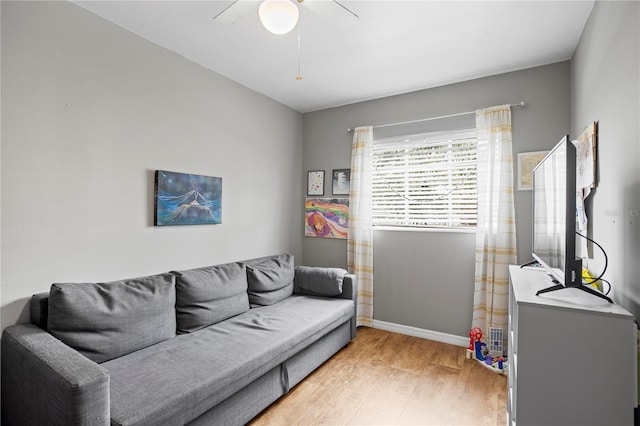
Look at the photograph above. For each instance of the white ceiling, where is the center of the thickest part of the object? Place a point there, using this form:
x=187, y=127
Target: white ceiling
x=394, y=47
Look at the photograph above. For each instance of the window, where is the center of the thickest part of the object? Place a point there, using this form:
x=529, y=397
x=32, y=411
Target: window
x=426, y=180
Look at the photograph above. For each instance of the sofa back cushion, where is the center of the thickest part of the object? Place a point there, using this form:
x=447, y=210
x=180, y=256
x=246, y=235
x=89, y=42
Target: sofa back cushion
x=39, y=307
x=205, y=296
x=318, y=281
x=270, y=280
x=107, y=320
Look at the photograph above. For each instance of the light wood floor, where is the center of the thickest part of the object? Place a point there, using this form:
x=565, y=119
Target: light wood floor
x=385, y=378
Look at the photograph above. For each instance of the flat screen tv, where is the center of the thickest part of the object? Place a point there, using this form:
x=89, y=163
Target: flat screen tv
x=554, y=218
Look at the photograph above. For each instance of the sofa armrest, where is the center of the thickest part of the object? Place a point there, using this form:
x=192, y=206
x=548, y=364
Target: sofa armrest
x=45, y=381
x=350, y=291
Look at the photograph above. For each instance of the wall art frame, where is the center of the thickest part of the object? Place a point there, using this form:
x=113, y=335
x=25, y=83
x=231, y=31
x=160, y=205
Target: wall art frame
x=315, y=182
x=341, y=181
x=526, y=163
x=588, y=151
x=186, y=199
x=326, y=217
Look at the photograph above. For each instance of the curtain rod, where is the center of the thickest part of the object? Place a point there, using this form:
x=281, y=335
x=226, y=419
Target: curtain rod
x=350, y=130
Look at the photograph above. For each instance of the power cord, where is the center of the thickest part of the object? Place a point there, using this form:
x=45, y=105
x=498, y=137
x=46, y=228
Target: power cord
x=608, y=284
x=606, y=263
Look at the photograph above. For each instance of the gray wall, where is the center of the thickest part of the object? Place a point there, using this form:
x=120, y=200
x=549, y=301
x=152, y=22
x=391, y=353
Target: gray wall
x=89, y=112
x=425, y=279
x=605, y=88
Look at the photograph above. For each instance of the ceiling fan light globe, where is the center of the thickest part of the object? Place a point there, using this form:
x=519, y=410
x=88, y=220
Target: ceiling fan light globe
x=278, y=16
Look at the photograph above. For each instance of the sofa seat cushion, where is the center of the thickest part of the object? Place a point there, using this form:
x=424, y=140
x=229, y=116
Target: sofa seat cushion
x=177, y=380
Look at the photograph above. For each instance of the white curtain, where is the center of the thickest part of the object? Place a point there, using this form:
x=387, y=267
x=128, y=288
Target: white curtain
x=496, y=232
x=360, y=240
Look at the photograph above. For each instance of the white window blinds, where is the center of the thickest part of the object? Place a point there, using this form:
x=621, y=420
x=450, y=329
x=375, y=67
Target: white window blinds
x=426, y=180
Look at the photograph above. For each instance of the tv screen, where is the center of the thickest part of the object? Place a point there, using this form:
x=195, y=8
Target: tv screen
x=554, y=214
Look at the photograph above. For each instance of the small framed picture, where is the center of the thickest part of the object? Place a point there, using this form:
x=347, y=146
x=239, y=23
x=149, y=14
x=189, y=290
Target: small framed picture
x=315, y=182
x=526, y=163
x=341, y=181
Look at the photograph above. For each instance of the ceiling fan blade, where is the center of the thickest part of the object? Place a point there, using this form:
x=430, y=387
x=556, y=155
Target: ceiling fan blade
x=332, y=10
x=235, y=11
x=351, y=12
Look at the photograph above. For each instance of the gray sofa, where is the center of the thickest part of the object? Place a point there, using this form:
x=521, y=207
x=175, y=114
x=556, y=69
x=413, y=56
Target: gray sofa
x=213, y=345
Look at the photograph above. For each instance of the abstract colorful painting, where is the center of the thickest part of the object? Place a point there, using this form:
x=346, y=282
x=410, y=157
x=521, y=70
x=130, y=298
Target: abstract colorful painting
x=326, y=217
x=186, y=199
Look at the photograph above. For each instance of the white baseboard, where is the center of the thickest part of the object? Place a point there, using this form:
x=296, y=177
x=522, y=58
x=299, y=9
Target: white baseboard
x=420, y=332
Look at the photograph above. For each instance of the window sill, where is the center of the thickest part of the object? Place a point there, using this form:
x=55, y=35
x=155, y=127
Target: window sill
x=418, y=229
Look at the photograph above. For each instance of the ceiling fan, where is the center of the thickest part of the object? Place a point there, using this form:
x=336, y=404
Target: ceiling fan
x=281, y=16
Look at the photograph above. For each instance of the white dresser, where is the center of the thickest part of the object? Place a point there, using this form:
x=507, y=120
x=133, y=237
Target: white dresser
x=572, y=356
